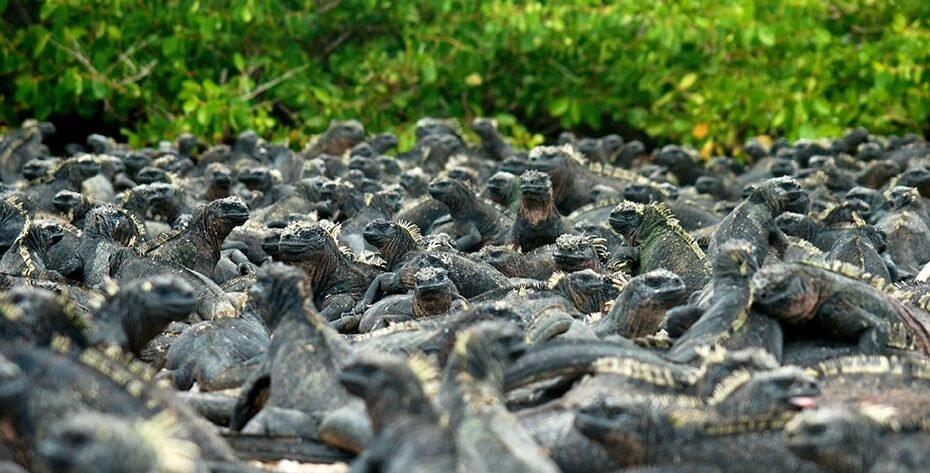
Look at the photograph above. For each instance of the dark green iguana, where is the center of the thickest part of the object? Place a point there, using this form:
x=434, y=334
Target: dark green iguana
x=660, y=242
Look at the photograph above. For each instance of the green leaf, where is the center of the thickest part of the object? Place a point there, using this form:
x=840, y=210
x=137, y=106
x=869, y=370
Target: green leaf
x=239, y=61
x=766, y=36
x=559, y=106
x=687, y=81
x=98, y=89
x=428, y=70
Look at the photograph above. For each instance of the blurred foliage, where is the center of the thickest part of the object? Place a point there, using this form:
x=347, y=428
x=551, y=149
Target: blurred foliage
x=706, y=72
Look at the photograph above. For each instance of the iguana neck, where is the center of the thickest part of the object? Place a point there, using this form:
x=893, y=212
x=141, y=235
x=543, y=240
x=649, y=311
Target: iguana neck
x=397, y=247
x=469, y=382
x=654, y=226
x=535, y=212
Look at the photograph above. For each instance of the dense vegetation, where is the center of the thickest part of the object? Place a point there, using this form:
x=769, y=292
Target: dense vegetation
x=707, y=72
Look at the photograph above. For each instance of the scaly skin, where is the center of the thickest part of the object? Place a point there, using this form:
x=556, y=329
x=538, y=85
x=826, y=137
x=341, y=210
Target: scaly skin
x=295, y=391
x=197, y=246
x=26, y=256
x=12, y=219
x=477, y=222
x=67, y=176
x=35, y=315
x=107, y=230
x=855, y=441
x=434, y=294
x=338, y=282
x=337, y=139
x=61, y=383
x=537, y=264
x=485, y=432
x=408, y=435
x=641, y=305
x=493, y=144
x=140, y=311
x=19, y=146
x=660, y=242
x=843, y=304
x=538, y=223
x=753, y=220
x=729, y=308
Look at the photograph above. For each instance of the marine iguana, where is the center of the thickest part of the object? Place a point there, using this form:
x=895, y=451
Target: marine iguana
x=295, y=390
x=434, y=294
x=477, y=222
x=61, y=382
x=641, y=434
x=66, y=176
x=660, y=242
x=728, y=310
x=405, y=251
x=408, y=432
x=219, y=181
x=107, y=229
x=337, y=280
x=753, y=220
x=537, y=222
x=35, y=315
x=907, y=234
x=513, y=263
x=337, y=139
x=472, y=393
x=26, y=256
x=578, y=252
x=843, y=303
x=639, y=309
x=21, y=145
x=73, y=206
x=855, y=441
x=217, y=354
x=572, y=181
x=493, y=144
x=140, y=310
x=106, y=443
x=197, y=245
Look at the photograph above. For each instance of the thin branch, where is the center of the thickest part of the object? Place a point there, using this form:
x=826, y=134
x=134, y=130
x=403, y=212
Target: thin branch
x=145, y=71
x=273, y=82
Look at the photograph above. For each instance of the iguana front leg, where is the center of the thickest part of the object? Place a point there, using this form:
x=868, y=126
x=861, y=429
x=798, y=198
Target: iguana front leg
x=843, y=319
x=778, y=240
x=384, y=283
x=470, y=239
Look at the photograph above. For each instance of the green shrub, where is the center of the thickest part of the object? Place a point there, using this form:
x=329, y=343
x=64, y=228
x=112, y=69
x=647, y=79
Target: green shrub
x=707, y=72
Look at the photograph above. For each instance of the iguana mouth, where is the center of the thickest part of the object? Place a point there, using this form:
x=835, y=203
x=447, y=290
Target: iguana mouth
x=431, y=288
x=532, y=190
x=237, y=217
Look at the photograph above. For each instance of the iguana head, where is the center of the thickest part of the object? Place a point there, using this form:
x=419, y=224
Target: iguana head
x=135, y=162
x=278, y=289
x=486, y=128
x=104, y=443
x=379, y=232
x=914, y=177
x=486, y=349
x=626, y=431
x=36, y=169
x=578, y=252
x=781, y=194
x=672, y=156
x=902, y=198
x=246, y=142
x=80, y=167
x=783, y=290
x=164, y=296
x=769, y=392
x=864, y=200
x=434, y=126
x=227, y=212
x=515, y=164
x=12, y=219
x=388, y=385
x=70, y=202
x=151, y=174
x=432, y=282
x=646, y=298
x=383, y=142
x=414, y=181
x=452, y=192
x=535, y=186
x=258, y=178
x=111, y=222
x=554, y=160
x=306, y=240
x=782, y=167
x=186, y=144
x=43, y=234
x=218, y=178
x=711, y=185
x=798, y=225
x=159, y=195
x=503, y=258
x=464, y=174
x=500, y=187
x=627, y=219
x=585, y=289
x=836, y=439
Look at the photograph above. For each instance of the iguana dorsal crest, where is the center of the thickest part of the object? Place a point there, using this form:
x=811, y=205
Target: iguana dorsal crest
x=729, y=385
x=853, y=272
x=173, y=454
x=646, y=372
x=675, y=226
x=612, y=202
x=555, y=279
x=412, y=230
x=427, y=372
